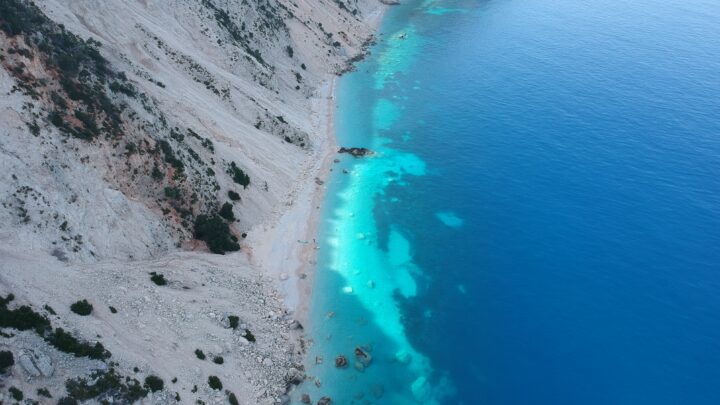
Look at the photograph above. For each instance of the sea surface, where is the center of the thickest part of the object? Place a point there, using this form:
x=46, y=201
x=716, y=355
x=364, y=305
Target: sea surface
x=540, y=223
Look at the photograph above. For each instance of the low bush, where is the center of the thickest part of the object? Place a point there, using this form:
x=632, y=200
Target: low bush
x=233, y=196
x=218, y=360
x=6, y=360
x=227, y=212
x=105, y=385
x=16, y=394
x=82, y=308
x=154, y=383
x=215, y=232
x=239, y=176
x=234, y=321
x=157, y=278
x=67, y=343
x=199, y=353
x=214, y=383
x=43, y=392
x=249, y=336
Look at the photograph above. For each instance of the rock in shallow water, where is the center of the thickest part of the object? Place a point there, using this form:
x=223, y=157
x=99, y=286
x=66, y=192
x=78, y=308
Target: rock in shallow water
x=356, y=152
x=341, y=361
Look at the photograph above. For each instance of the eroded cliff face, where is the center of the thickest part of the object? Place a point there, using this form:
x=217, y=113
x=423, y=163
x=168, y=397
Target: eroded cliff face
x=136, y=137
x=124, y=122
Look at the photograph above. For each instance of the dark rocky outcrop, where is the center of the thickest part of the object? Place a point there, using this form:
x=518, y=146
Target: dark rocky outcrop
x=341, y=361
x=357, y=152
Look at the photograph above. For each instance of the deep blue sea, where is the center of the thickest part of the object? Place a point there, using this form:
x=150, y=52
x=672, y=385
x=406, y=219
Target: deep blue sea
x=541, y=222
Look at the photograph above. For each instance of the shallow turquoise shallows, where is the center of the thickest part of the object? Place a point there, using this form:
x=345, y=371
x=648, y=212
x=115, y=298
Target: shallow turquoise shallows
x=540, y=223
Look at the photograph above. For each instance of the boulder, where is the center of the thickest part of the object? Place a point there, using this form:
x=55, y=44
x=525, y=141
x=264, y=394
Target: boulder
x=341, y=361
x=356, y=152
x=324, y=401
x=36, y=363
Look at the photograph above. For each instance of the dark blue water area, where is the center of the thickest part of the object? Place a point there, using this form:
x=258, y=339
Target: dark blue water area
x=579, y=144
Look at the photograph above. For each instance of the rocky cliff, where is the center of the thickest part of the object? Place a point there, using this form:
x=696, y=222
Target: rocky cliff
x=134, y=131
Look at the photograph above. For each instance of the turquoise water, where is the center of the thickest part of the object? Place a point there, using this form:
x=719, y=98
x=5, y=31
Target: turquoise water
x=541, y=223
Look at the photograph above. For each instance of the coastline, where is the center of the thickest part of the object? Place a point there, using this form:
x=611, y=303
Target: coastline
x=286, y=247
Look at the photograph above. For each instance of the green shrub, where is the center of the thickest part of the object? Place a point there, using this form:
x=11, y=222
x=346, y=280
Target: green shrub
x=227, y=212
x=214, y=383
x=249, y=336
x=6, y=360
x=106, y=384
x=113, y=310
x=67, y=343
x=172, y=192
x=157, y=174
x=158, y=279
x=22, y=318
x=238, y=175
x=199, y=353
x=233, y=195
x=67, y=401
x=215, y=232
x=170, y=155
x=82, y=308
x=154, y=383
x=16, y=394
x=233, y=399
x=234, y=321
x=43, y=392
x=218, y=360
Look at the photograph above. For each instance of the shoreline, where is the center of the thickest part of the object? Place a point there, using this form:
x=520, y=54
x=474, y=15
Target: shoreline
x=286, y=247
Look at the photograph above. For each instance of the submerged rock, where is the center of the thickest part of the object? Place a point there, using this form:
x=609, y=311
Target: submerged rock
x=324, y=401
x=305, y=399
x=357, y=152
x=362, y=357
x=341, y=361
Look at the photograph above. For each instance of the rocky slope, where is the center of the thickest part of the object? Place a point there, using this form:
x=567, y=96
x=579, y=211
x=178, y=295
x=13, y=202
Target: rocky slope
x=133, y=131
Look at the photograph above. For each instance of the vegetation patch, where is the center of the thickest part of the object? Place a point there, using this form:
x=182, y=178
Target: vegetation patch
x=238, y=176
x=215, y=383
x=218, y=360
x=157, y=278
x=249, y=336
x=154, y=383
x=24, y=318
x=234, y=321
x=226, y=211
x=82, y=308
x=83, y=73
x=16, y=394
x=67, y=343
x=43, y=392
x=233, y=196
x=215, y=232
x=6, y=360
x=199, y=354
x=105, y=386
